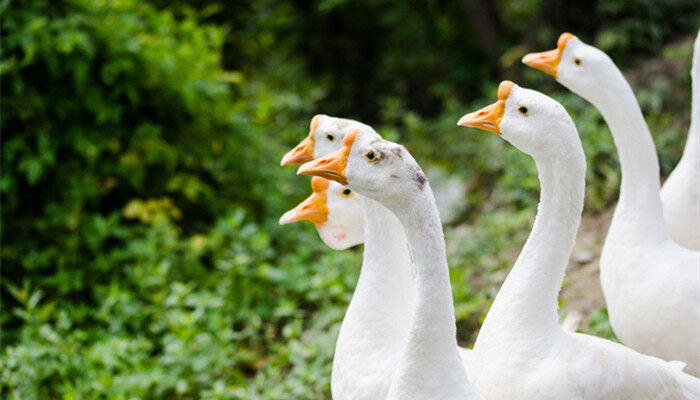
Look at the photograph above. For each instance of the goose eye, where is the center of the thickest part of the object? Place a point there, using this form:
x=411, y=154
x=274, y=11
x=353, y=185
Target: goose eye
x=577, y=61
x=370, y=155
x=523, y=110
x=346, y=192
x=330, y=137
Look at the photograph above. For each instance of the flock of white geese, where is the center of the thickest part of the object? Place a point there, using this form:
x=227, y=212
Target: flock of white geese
x=398, y=337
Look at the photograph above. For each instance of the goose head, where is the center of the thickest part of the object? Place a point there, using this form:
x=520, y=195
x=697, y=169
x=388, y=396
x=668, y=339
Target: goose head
x=583, y=69
x=335, y=210
x=534, y=123
x=375, y=168
x=325, y=136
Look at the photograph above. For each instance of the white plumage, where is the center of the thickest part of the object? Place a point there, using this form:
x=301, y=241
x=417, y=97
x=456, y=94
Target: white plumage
x=681, y=191
x=651, y=284
x=521, y=351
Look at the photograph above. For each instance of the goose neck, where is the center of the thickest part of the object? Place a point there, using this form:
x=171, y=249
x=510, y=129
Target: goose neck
x=528, y=299
x=691, y=153
x=386, y=266
x=433, y=322
x=639, y=205
x=638, y=160
x=384, y=236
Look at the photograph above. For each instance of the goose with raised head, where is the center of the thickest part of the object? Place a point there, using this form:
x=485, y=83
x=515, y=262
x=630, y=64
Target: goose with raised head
x=325, y=136
x=429, y=364
x=651, y=284
x=680, y=194
x=521, y=351
x=377, y=321
x=335, y=210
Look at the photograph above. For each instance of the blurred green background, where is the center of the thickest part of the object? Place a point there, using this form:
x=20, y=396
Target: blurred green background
x=141, y=187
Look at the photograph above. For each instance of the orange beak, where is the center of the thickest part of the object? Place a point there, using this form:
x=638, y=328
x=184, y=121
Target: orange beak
x=548, y=61
x=313, y=209
x=489, y=118
x=333, y=165
x=304, y=151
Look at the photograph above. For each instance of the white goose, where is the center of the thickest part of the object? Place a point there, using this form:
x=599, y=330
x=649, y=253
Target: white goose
x=651, y=284
x=521, y=351
x=335, y=210
x=325, y=136
x=429, y=365
x=681, y=191
x=377, y=322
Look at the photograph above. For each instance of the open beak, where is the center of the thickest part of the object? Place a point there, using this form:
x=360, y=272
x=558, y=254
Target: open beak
x=313, y=209
x=489, y=118
x=548, y=61
x=331, y=166
x=302, y=153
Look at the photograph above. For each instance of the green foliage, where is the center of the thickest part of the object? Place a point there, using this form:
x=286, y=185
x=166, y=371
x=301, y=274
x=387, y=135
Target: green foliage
x=116, y=114
x=632, y=27
x=369, y=53
x=599, y=325
x=126, y=151
x=192, y=316
x=141, y=188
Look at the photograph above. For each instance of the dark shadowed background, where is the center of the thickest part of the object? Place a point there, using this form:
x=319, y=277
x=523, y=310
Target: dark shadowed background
x=141, y=186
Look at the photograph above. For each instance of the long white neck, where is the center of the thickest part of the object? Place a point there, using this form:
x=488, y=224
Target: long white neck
x=434, y=315
x=430, y=357
x=376, y=324
x=639, y=210
x=386, y=282
x=527, y=302
x=691, y=153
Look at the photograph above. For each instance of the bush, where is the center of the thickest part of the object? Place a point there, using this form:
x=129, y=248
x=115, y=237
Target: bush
x=116, y=115
x=190, y=317
x=130, y=162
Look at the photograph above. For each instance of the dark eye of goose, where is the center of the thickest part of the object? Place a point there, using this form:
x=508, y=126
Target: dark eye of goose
x=346, y=192
x=577, y=61
x=370, y=155
x=523, y=110
x=330, y=137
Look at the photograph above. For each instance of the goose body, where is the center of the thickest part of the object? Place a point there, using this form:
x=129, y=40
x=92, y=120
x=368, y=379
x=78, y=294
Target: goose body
x=651, y=284
x=521, y=351
x=680, y=193
x=376, y=324
x=429, y=364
